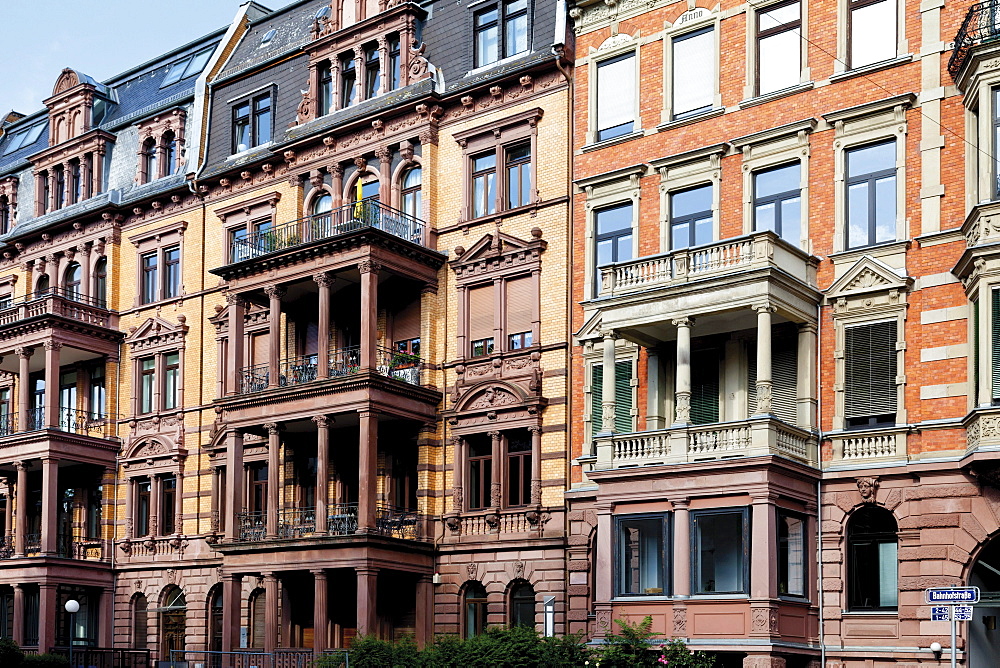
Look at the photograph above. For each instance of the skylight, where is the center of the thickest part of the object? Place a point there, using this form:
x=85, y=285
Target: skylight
x=187, y=67
x=25, y=137
x=323, y=12
x=268, y=36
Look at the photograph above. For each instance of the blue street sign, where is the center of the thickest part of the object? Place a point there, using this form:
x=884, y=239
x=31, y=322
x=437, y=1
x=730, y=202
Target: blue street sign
x=963, y=613
x=941, y=614
x=953, y=595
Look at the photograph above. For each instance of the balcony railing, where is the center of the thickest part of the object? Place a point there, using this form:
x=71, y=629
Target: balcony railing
x=56, y=301
x=397, y=522
x=253, y=526
x=981, y=26
x=341, y=520
x=367, y=214
x=75, y=547
x=343, y=362
x=758, y=250
x=70, y=420
x=6, y=547
x=296, y=522
x=32, y=543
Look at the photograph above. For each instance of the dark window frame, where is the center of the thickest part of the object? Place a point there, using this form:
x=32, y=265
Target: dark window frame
x=995, y=125
x=503, y=25
x=690, y=219
x=168, y=504
x=852, y=6
x=481, y=497
x=869, y=178
x=614, y=236
x=147, y=389
x=694, y=516
x=325, y=81
x=666, y=561
x=783, y=565
x=516, y=496
x=517, y=603
x=778, y=198
x=247, y=114
x=478, y=605
x=688, y=113
x=601, y=134
x=771, y=32
x=872, y=541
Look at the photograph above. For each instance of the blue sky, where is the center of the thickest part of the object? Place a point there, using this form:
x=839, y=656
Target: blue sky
x=38, y=38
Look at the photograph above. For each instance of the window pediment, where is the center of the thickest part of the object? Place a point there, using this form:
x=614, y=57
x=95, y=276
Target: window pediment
x=499, y=253
x=867, y=282
x=157, y=333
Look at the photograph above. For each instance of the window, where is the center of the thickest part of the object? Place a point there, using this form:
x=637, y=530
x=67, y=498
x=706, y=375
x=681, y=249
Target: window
x=24, y=138
x=252, y=123
x=778, y=200
x=872, y=564
x=488, y=25
x=779, y=50
x=518, y=177
x=872, y=32
x=150, y=277
x=258, y=616
x=719, y=542
x=410, y=196
x=522, y=605
x=60, y=173
x=693, y=82
x=71, y=280
x=870, y=374
x=519, y=307
x=143, y=495
x=68, y=415
x=642, y=557
x=480, y=471
x=623, y=397
x=499, y=165
x=484, y=194
x=169, y=142
x=408, y=347
x=481, y=320
x=98, y=393
x=4, y=214
x=168, y=504
x=268, y=36
x=173, y=622
x=187, y=67
x=373, y=73
x=147, y=385
x=325, y=89
x=996, y=142
x=140, y=622
x=616, y=96
x=172, y=372
x=691, y=217
x=348, y=81
x=149, y=166
x=475, y=609
x=614, y=238
x=46, y=191
x=75, y=182
x=101, y=282
x=152, y=288
x=518, y=481
x=871, y=194
x=791, y=554
x=394, y=63
x=172, y=271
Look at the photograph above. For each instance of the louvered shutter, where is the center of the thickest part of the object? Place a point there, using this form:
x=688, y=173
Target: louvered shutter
x=784, y=378
x=870, y=372
x=481, y=313
x=406, y=324
x=623, y=396
x=975, y=352
x=596, y=398
x=519, y=309
x=704, y=386
x=995, y=344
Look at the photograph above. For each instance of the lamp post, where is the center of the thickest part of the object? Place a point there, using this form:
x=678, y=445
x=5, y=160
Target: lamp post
x=72, y=607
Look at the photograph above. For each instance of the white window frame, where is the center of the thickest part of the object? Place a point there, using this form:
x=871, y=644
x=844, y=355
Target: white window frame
x=617, y=45
x=843, y=61
x=679, y=28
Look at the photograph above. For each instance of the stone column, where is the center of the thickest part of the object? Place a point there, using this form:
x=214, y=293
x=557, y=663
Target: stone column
x=608, y=386
x=458, y=466
x=425, y=611
x=53, y=198
x=325, y=282
x=18, y=615
x=273, y=479
x=234, y=485
x=336, y=170
x=216, y=520
x=322, y=471
x=83, y=256
x=231, y=611
x=21, y=518
x=178, y=508
x=47, y=615
x=367, y=472
x=384, y=156
x=682, y=549
x=654, y=391
x=155, y=487
x=9, y=509
x=369, y=314
x=237, y=313
x=320, y=612
x=682, y=375
x=50, y=507
x=367, y=596
x=51, y=419
x=270, y=612
x=274, y=295
x=23, y=388
x=87, y=176
x=536, y=464
x=764, y=539
x=130, y=508
x=497, y=455
x=805, y=409
x=764, y=312
x=106, y=607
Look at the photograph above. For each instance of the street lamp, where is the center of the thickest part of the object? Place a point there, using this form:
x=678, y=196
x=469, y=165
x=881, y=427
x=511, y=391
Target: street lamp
x=72, y=607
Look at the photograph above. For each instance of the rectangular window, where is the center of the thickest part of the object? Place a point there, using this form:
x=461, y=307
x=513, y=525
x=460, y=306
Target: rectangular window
x=373, y=73
x=150, y=277
x=168, y=504
x=515, y=28
x=487, y=29
x=615, y=93
x=394, y=61
x=996, y=143
x=791, y=554
x=262, y=120
x=520, y=295
x=98, y=393
x=147, y=384
x=872, y=31
x=252, y=123
x=481, y=320
x=643, y=561
x=995, y=347
x=691, y=217
x=719, y=541
x=871, y=194
x=693, y=82
x=480, y=471
x=518, y=177
x=172, y=372
x=623, y=397
x=241, y=127
x=484, y=184
x=171, y=272
x=325, y=89
x=777, y=204
x=518, y=468
x=348, y=82
x=870, y=374
x=614, y=238
x=779, y=47
x=143, y=495
x=488, y=25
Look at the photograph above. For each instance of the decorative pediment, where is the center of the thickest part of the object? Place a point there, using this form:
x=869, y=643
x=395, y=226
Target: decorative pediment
x=154, y=449
x=492, y=395
x=868, y=284
x=156, y=332
x=591, y=330
x=498, y=252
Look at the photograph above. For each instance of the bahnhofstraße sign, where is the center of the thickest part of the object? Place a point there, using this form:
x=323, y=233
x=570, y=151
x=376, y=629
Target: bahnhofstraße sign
x=953, y=595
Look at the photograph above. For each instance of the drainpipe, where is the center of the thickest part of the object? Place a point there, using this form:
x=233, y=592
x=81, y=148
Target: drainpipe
x=819, y=482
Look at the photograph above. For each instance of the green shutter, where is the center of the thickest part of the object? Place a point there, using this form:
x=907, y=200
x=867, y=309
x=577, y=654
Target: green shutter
x=995, y=345
x=784, y=376
x=704, y=386
x=975, y=352
x=623, y=396
x=870, y=373
x=596, y=397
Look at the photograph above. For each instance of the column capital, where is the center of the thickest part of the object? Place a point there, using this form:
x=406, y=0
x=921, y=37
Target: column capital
x=335, y=169
x=609, y=334
x=323, y=421
x=808, y=328
x=494, y=434
x=22, y=465
x=53, y=345
x=235, y=299
x=24, y=352
x=367, y=570
x=535, y=429
x=273, y=428
x=369, y=267
x=324, y=279
x=318, y=573
x=680, y=504
x=686, y=321
x=764, y=307
x=274, y=291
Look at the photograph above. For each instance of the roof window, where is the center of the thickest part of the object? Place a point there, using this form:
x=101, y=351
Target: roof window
x=25, y=137
x=268, y=36
x=323, y=12
x=187, y=67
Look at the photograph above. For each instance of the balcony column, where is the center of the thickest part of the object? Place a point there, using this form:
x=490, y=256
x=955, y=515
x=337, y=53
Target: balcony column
x=320, y=612
x=763, y=576
x=231, y=611
x=682, y=551
x=83, y=256
x=273, y=478
x=274, y=294
x=9, y=510
x=384, y=156
x=497, y=456
x=23, y=387
x=336, y=170
x=764, y=312
x=21, y=518
x=654, y=391
x=367, y=472
x=682, y=389
x=234, y=484
x=155, y=487
x=536, y=464
x=50, y=506
x=270, y=612
x=458, y=465
x=47, y=616
x=369, y=314
x=325, y=282
x=53, y=198
x=18, y=636
x=51, y=418
x=604, y=567
x=322, y=470
x=805, y=409
x=367, y=596
x=608, y=386
x=237, y=314
x=425, y=611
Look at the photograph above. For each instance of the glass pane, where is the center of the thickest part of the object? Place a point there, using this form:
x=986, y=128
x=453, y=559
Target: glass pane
x=871, y=159
x=857, y=215
x=694, y=72
x=484, y=162
x=681, y=236
x=197, y=63
x=642, y=557
x=516, y=34
x=791, y=224
x=614, y=219
x=691, y=201
x=780, y=62
x=791, y=556
x=263, y=127
x=719, y=553
x=778, y=180
x=616, y=99
x=486, y=45
x=773, y=18
x=885, y=209
x=605, y=252
x=764, y=217
x=703, y=231
x=887, y=575
x=873, y=33
x=624, y=248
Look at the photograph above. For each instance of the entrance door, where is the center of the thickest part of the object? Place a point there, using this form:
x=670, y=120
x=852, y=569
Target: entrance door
x=984, y=629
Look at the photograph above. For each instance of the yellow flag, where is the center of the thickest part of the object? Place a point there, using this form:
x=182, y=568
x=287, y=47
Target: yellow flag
x=357, y=207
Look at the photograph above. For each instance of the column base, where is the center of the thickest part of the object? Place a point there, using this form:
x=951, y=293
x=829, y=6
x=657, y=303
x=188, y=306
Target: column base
x=603, y=615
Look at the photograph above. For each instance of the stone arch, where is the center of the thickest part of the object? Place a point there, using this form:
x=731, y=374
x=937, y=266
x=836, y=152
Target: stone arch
x=350, y=184
x=397, y=178
x=492, y=394
x=67, y=79
x=314, y=194
x=150, y=446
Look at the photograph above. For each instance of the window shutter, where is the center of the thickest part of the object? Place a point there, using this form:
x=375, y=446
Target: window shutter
x=995, y=344
x=259, y=348
x=406, y=324
x=623, y=396
x=616, y=92
x=519, y=305
x=784, y=379
x=596, y=398
x=870, y=370
x=704, y=386
x=481, y=312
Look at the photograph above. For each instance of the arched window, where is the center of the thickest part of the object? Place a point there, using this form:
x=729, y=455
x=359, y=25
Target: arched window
x=872, y=564
x=4, y=215
x=140, y=622
x=71, y=280
x=322, y=204
x=173, y=623
x=101, y=282
x=258, y=611
x=410, y=201
x=169, y=142
x=475, y=609
x=215, y=619
x=42, y=286
x=522, y=605
x=149, y=167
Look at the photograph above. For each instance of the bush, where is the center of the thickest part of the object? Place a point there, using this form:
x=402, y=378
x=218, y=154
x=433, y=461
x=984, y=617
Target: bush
x=676, y=655
x=45, y=661
x=630, y=646
x=10, y=654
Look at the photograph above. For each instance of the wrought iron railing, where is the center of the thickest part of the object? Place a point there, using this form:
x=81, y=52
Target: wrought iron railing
x=8, y=424
x=254, y=378
x=297, y=370
x=253, y=526
x=402, y=366
x=32, y=543
x=6, y=547
x=366, y=214
x=36, y=418
x=342, y=519
x=397, y=522
x=981, y=26
x=296, y=522
x=76, y=547
x=345, y=361
x=104, y=657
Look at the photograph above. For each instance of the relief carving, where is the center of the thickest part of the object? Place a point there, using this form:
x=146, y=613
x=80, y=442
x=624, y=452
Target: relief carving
x=494, y=396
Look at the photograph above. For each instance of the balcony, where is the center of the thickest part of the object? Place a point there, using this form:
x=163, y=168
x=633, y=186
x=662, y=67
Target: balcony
x=981, y=26
x=57, y=302
x=343, y=362
x=342, y=520
x=71, y=421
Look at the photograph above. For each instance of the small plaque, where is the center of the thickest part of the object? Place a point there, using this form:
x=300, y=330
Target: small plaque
x=940, y=613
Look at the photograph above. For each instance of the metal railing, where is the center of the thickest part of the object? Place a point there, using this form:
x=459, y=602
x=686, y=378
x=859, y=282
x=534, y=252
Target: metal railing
x=342, y=519
x=32, y=543
x=394, y=364
x=345, y=361
x=105, y=657
x=366, y=214
x=7, y=547
x=297, y=370
x=8, y=424
x=256, y=658
x=296, y=522
x=397, y=522
x=342, y=362
x=981, y=26
x=253, y=526
x=75, y=547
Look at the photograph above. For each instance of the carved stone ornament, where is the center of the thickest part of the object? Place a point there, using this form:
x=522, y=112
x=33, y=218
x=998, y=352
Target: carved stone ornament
x=518, y=569
x=868, y=488
x=471, y=569
x=493, y=396
x=680, y=621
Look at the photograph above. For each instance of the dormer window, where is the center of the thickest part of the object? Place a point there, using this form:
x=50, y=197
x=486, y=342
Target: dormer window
x=373, y=73
x=393, y=66
x=187, y=67
x=322, y=12
x=348, y=81
x=252, y=123
x=169, y=142
x=25, y=137
x=60, y=187
x=325, y=88
x=75, y=182
x=149, y=166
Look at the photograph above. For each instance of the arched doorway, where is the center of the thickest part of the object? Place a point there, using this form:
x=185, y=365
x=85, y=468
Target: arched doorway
x=984, y=630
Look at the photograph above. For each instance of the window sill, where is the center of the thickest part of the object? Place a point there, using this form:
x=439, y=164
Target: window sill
x=688, y=120
x=252, y=149
x=638, y=598
x=719, y=597
x=776, y=95
x=156, y=304
x=874, y=67
x=598, y=145
x=867, y=613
